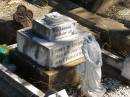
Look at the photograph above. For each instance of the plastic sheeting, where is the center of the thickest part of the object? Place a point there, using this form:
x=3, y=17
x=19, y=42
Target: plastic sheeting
x=91, y=70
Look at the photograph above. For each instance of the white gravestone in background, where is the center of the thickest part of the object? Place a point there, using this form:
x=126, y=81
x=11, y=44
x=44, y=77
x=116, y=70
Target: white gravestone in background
x=91, y=69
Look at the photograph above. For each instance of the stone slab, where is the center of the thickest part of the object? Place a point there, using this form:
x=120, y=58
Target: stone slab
x=53, y=28
x=113, y=60
x=97, y=22
x=50, y=54
x=120, y=41
x=6, y=90
x=19, y=84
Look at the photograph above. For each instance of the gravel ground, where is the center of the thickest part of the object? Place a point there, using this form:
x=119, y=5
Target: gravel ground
x=116, y=88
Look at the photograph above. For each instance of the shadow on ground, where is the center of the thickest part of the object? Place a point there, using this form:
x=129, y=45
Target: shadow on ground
x=8, y=31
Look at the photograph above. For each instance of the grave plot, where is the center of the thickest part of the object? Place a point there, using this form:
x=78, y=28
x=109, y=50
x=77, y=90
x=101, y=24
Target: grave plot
x=49, y=62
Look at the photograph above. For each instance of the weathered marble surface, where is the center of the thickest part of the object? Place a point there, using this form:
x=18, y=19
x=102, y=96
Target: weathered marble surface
x=54, y=25
x=51, y=54
x=91, y=69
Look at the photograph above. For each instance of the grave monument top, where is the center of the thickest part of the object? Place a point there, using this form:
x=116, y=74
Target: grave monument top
x=54, y=19
x=54, y=25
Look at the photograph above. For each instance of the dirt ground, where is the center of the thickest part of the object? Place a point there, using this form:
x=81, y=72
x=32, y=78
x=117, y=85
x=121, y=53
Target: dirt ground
x=8, y=8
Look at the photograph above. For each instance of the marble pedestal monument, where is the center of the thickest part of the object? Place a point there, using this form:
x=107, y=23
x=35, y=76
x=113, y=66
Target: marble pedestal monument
x=53, y=41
